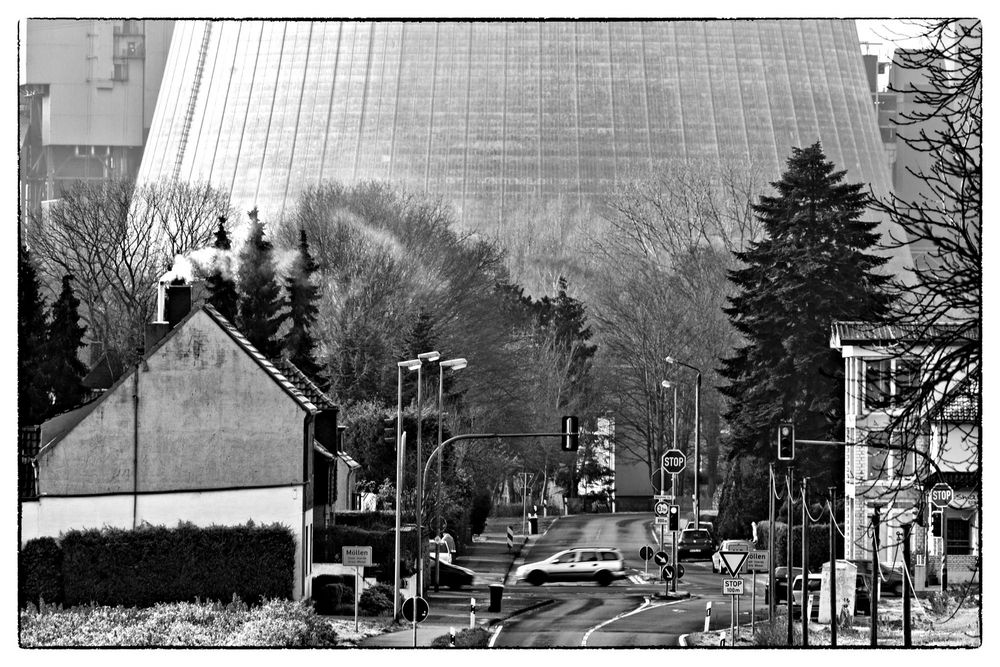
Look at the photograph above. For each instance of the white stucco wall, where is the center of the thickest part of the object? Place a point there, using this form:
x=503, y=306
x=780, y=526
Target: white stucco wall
x=50, y=516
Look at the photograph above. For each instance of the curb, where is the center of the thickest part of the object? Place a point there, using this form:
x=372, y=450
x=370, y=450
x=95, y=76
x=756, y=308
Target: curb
x=518, y=612
x=682, y=641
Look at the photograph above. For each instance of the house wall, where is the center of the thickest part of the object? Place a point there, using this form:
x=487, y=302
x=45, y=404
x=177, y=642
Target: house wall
x=208, y=418
x=51, y=516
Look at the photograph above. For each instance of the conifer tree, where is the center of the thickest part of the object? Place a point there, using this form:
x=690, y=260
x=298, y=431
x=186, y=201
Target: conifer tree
x=220, y=283
x=810, y=269
x=32, y=397
x=64, y=369
x=303, y=296
x=260, y=304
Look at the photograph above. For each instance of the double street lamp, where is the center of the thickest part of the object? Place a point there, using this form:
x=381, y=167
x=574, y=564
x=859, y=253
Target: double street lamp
x=455, y=365
x=697, y=437
x=426, y=357
x=410, y=365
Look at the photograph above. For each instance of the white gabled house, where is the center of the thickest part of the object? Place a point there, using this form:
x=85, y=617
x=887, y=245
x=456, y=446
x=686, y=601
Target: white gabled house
x=204, y=429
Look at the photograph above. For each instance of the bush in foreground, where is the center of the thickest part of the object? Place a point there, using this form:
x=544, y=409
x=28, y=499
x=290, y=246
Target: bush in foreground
x=275, y=623
x=468, y=638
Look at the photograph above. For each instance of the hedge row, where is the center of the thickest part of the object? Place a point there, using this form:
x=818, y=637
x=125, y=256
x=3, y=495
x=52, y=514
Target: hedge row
x=152, y=564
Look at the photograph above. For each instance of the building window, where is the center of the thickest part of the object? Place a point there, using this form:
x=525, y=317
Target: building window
x=889, y=382
x=121, y=72
x=958, y=537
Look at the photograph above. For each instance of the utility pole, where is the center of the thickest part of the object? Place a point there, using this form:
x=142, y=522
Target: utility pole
x=770, y=542
x=876, y=577
x=789, y=480
x=805, y=562
x=834, y=616
x=907, y=643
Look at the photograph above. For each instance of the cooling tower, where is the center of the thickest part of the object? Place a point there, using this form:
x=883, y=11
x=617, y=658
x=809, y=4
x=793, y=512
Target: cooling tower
x=498, y=117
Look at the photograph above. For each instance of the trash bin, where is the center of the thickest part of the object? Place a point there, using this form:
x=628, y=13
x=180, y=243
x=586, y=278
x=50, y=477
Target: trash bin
x=496, y=596
x=533, y=525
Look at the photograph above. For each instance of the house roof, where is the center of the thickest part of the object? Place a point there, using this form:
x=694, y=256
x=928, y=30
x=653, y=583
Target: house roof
x=322, y=450
x=848, y=332
x=305, y=385
x=346, y=458
x=55, y=429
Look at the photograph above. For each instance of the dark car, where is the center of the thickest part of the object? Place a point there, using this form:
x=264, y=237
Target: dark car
x=453, y=576
x=780, y=584
x=695, y=544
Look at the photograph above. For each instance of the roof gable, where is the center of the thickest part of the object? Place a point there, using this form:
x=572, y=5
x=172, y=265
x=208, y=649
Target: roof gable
x=57, y=428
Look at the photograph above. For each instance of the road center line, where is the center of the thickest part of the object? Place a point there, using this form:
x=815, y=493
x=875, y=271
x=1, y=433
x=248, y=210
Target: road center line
x=646, y=605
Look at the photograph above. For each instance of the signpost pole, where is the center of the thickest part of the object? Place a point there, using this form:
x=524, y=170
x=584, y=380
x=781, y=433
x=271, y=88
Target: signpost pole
x=876, y=577
x=770, y=545
x=805, y=562
x=357, y=590
x=834, y=618
x=753, y=604
x=791, y=560
x=735, y=637
x=673, y=492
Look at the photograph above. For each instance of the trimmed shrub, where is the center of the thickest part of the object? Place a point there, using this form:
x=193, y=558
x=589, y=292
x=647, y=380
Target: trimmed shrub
x=39, y=572
x=467, y=638
x=329, y=542
x=157, y=564
x=376, y=600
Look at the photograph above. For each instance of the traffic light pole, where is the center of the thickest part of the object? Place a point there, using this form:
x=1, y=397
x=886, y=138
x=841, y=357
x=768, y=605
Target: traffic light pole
x=673, y=535
x=770, y=543
x=805, y=562
x=791, y=553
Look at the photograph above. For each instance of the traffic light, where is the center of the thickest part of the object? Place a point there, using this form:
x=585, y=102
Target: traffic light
x=571, y=433
x=389, y=431
x=786, y=441
x=674, y=517
x=936, y=524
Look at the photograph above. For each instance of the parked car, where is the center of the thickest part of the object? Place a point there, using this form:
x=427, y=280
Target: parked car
x=729, y=545
x=443, y=550
x=695, y=543
x=780, y=584
x=600, y=564
x=453, y=576
x=815, y=583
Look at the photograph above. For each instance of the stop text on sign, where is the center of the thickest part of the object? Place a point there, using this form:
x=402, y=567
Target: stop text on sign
x=674, y=461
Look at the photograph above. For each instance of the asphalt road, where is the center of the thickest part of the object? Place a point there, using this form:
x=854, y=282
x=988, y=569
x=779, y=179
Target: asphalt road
x=630, y=612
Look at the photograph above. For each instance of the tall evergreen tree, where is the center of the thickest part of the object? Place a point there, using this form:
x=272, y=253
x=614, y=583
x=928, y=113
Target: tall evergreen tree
x=32, y=397
x=260, y=306
x=810, y=269
x=422, y=338
x=65, y=371
x=220, y=283
x=303, y=296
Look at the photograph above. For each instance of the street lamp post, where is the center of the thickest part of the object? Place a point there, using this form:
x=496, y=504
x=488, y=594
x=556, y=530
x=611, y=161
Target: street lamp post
x=410, y=364
x=697, y=438
x=455, y=365
x=425, y=357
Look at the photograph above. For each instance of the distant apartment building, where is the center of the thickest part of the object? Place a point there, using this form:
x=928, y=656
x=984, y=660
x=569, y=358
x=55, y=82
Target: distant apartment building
x=893, y=464
x=86, y=101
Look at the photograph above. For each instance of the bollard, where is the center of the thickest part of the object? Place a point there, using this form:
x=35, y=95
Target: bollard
x=472, y=614
x=510, y=538
x=708, y=615
x=451, y=640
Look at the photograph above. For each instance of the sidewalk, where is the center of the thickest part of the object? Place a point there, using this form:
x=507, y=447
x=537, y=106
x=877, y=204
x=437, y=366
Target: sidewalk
x=492, y=562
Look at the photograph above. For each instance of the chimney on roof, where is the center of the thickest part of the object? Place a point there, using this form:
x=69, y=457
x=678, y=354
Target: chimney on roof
x=174, y=299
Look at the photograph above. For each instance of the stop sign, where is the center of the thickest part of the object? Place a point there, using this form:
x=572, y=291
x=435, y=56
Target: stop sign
x=941, y=495
x=674, y=461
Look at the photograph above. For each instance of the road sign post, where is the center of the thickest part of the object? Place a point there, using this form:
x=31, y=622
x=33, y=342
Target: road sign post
x=674, y=461
x=646, y=554
x=356, y=557
x=734, y=588
x=941, y=495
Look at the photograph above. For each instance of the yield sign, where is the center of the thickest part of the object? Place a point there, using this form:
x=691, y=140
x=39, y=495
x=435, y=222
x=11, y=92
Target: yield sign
x=733, y=560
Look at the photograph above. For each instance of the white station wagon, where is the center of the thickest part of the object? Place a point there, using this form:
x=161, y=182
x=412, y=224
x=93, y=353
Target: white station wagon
x=600, y=564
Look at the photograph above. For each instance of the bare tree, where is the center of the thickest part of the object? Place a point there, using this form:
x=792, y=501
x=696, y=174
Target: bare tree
x=117, y=240
x=671, y=241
